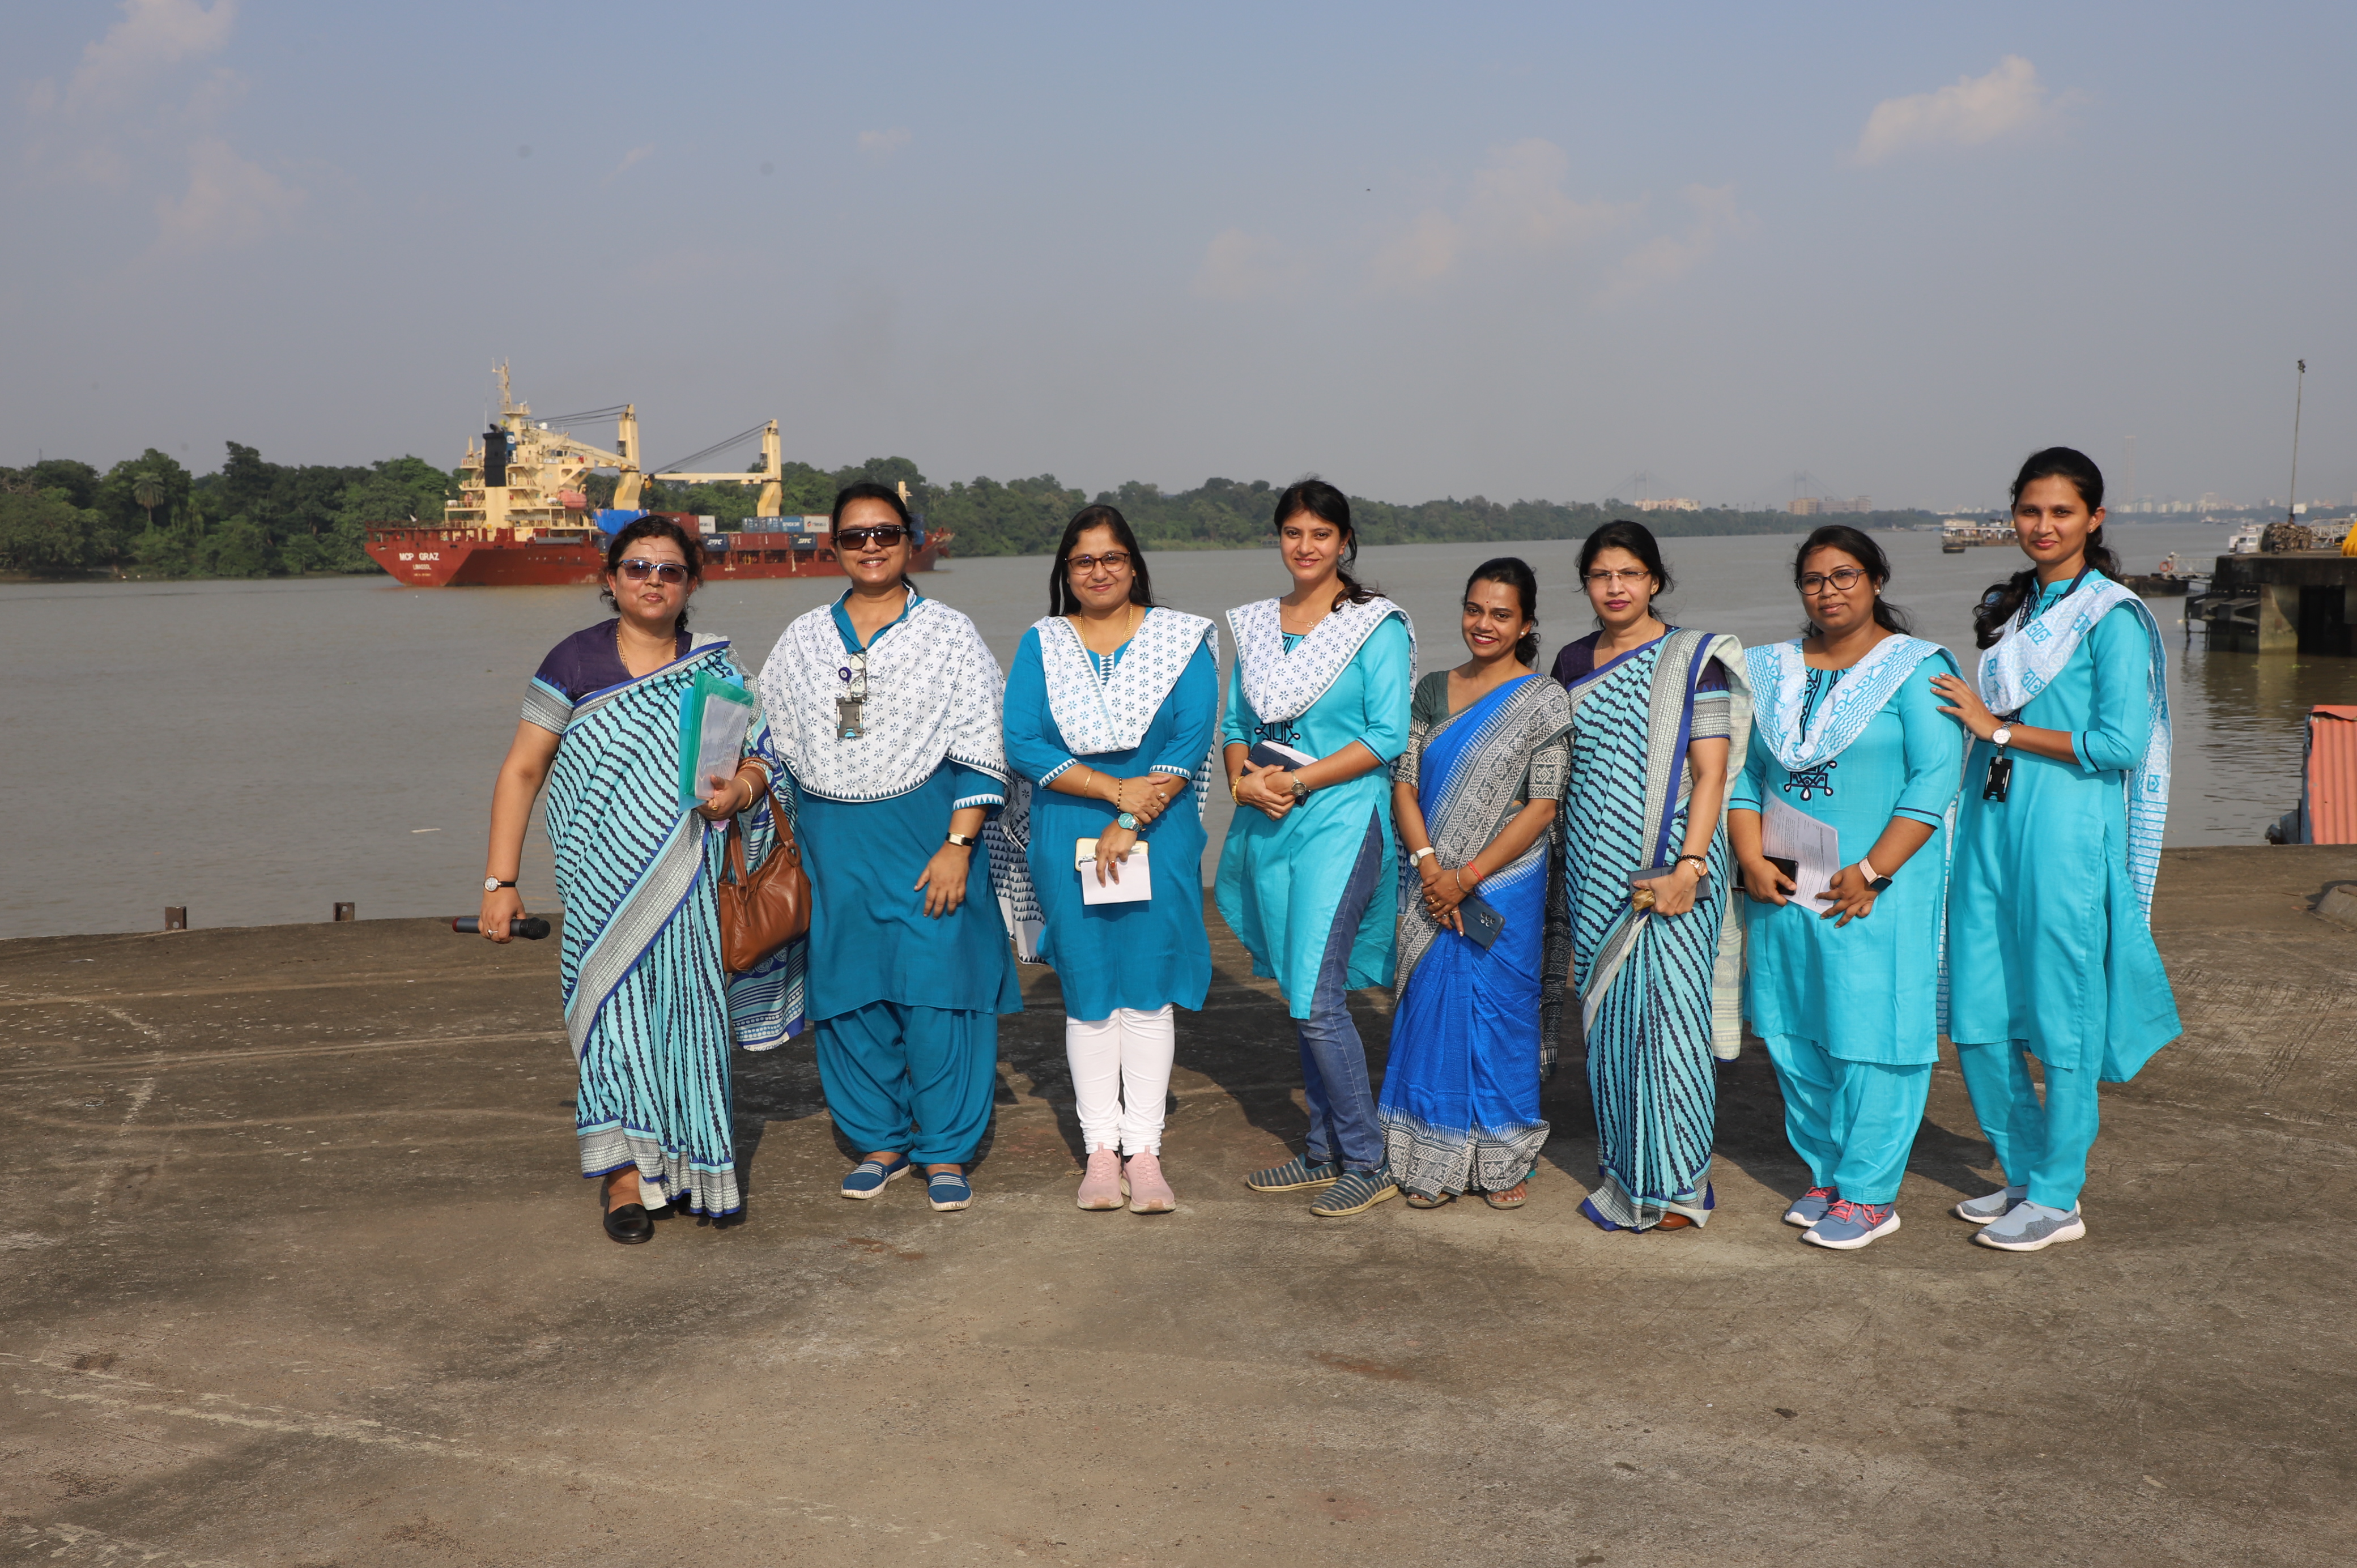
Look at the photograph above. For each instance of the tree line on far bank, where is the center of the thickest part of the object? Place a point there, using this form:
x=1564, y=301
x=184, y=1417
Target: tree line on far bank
x=149, y=516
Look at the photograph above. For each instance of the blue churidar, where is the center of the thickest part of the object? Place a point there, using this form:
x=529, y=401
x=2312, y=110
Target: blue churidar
x=911, y=1080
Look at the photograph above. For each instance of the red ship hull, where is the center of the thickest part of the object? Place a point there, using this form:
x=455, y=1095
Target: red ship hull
x=423, y=556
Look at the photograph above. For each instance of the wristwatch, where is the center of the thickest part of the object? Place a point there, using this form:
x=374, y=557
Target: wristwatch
x=964, y=841
x=1417, y=858
x=492, y=884
x=1300, y=790
x=1126, y=820
x=2002, y=735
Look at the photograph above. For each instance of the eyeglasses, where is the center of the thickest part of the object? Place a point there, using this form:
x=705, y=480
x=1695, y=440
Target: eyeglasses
x=1608, y=579
x=1081, y=565
x=1842, y=577
x=670, y=573
x=861, y=538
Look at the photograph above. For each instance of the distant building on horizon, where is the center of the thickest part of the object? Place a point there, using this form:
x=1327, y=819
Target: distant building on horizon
x=1670, y=503
x=1811, y=506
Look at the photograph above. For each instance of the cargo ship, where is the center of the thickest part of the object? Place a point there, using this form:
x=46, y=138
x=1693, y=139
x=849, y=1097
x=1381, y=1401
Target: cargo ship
x=524, y=518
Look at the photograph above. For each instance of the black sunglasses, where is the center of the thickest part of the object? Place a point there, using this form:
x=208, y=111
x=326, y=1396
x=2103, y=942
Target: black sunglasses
x=636, y=571
x=861, y=538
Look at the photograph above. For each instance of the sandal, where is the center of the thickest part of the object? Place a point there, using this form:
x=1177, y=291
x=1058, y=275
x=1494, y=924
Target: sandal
x=1430, y=1200
x=1513, y=1197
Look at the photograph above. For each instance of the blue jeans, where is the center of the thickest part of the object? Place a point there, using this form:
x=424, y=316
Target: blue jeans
x=1333, y=1057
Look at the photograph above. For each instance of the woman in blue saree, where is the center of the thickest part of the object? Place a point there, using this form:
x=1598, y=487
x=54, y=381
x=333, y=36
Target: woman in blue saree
x=1110, y=708
x=2066, y=792
x=883, y=709
x=1308, y=877
x=1474, y=795
x=648, y=1009
x=1847, y=730
x=1660, y=718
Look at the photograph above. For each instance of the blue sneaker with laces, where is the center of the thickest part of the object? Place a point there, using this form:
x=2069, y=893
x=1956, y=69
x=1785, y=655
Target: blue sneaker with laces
x=868, y=1176
x=1810, y=1206
x=1848, y=1226
x=946, y=1190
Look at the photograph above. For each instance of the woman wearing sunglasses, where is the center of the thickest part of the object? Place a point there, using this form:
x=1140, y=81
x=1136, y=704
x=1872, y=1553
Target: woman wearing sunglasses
x=1110, y=708
x=2050, y=915
x=1310, y=877
x=883, y=708
x=647, y=1006
x=1659, y=715
x=1847, y=732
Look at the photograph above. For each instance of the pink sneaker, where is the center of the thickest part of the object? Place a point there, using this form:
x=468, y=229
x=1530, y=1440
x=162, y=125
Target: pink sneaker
x=1148, y=1192
x=1100, y=1187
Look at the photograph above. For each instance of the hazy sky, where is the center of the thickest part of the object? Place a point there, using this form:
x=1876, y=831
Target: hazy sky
x=1507, y=250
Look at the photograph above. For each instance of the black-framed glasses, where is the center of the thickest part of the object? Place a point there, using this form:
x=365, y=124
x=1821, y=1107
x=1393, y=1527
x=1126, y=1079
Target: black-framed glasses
x=638, y=570
x=1842, y=577
x=861, y=538
x=1112, y=561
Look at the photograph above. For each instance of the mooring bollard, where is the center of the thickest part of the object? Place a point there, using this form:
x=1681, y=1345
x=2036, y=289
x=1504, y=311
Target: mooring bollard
x=344, y=912
x=175, y=916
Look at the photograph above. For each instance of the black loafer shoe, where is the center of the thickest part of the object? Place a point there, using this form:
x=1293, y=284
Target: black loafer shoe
x=630, y=1224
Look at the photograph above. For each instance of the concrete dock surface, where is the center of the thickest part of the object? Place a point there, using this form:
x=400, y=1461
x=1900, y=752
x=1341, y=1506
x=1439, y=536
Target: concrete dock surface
x=299, y=1273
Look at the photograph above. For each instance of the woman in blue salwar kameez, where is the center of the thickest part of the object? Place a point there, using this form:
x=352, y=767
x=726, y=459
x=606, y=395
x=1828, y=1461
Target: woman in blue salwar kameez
x=648, y=1010
x=2066, y=792
x=883, y=708
x=1308, y=876
x=1474, y=793
x=1110, y=709
x=1847, y=730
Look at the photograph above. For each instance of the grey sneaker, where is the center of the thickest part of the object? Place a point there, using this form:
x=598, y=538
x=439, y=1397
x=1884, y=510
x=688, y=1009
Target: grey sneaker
x=2030, y=1226
x=1355, y=1192
x=1810, y=1206
x=1995, y=1205
x=1296, y=1174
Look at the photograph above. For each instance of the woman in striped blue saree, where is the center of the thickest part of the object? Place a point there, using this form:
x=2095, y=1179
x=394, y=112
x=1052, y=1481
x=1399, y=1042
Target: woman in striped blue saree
x=1474, y=794
x=648, y=1010
x=1660, y=716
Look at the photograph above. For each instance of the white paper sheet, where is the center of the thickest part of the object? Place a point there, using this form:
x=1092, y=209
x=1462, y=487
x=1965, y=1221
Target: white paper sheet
x=1815, y=845
x=1136, y=884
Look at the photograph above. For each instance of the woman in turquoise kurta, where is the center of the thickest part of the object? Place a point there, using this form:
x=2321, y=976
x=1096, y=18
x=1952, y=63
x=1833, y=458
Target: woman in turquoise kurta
x=2066, y=791
x=1308, y=877
x=883, y=710
x=1110, y=708
x=1847, y=731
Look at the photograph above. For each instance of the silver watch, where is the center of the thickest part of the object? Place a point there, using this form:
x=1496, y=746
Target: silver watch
x=2002, y=735
x=492, y=884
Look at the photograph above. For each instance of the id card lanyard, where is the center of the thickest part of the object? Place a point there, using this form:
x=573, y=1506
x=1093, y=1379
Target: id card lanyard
x=2000, y=767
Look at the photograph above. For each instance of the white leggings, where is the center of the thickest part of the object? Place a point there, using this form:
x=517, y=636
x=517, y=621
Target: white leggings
x=1121, y=1076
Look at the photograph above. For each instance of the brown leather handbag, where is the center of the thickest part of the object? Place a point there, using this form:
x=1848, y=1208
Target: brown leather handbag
x=763, y=910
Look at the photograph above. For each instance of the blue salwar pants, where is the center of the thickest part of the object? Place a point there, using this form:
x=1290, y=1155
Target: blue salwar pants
x=918, y=1079
x=1333, y=1058
x=2041, y=1146
x=1853, y=1123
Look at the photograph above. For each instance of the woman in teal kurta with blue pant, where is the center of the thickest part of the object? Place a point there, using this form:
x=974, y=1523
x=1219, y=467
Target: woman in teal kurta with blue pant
x=1309, y=875
x=892, y=740
x=2066, y=791
x=1847, y=731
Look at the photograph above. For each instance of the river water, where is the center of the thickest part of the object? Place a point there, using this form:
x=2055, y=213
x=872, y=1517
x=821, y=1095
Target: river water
x=259, y=750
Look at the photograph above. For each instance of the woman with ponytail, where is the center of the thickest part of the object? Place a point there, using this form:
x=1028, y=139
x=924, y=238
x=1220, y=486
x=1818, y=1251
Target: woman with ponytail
x=2066, y=791
x=1318, y=709
x=1488, y=757
x=1847, y=730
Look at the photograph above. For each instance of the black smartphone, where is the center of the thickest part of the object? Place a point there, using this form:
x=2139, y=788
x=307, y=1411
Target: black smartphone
x=1483, y=924
x=1785, y=864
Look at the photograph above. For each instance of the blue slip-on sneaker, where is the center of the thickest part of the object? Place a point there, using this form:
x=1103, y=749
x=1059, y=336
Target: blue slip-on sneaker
x=1848, y=1226
x=1810, y=1206
x=1995, y=1206
x=1296, y=1174
x=2030, y=1226
x=946, y=1190
x=1355, y=1192
x=868, y=1176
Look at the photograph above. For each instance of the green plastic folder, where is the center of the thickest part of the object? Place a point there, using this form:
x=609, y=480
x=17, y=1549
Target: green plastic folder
x=713, y=715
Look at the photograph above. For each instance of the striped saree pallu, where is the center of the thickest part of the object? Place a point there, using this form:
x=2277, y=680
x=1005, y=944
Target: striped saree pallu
x=1658, y=996
x=648, y=1009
